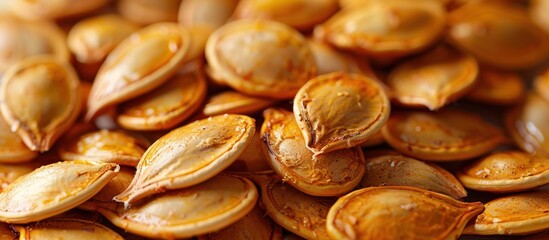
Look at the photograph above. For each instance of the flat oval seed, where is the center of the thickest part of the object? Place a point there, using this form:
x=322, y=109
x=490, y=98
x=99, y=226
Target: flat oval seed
x=39, y=10
x=105, y=146
x=66, y=228
x=305, y=13
x=373, y=213
x=235, y=102
x=498, y=33
x=203, y=208
x=126, y=73
x=92, y=39
x=211, y=14
x=149, y=11
x=252, y=159
x=297, y=212
x=40, y=100
x=521, y=213
x=385, y=29
x=340, y=110
x=433, y=79
x=331, y=174
x=528, y=125
x=388, y=168
x=497, y=87
x=446, y=135
x=255, y=225
x=22, y=39
x=330, y=60
x=283, y=65
x=190, y=155
x=12, y=147
x=166, y=106
x=53, y=189
x=509, y=171
x=541, y=84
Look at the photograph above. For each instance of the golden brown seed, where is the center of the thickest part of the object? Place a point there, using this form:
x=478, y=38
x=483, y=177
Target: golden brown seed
x=92, y=39
x=252, y=160
x=53, y=189
x=446, y=135
x=260, y=58
x=509, y=171
x=329, y=60
x=10, y=172
x=126, y=73
x=166, y=106
x=528, y=125
x=388, y=168
x=210, y=14
x=498, y=33
x=434, y=79
x=235, y=102
x=149, y=11
x=538, y=13
x=385, y=29
x=22, y=39
x=521, y=213
x=255, y=225
x=330, y=174
x=374, y=140
x=203, y=208
x=104, y=146
x=12, y=147
x=305, y=14
x=40, y=100
x=190, y=155
x=497, y=87
x=339, y=110
x=66, y=228
x=398, y=213
x=297, y=212
x=37, y=10
x=541, y=84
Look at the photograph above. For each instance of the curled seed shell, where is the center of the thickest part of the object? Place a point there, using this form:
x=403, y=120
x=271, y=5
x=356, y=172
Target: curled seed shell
x=105, y=146
x=48, y=10
x=126, y=73
x=166, y=106
x=372, y=213
x=384, y=29
x=206, y=13
x=446, y=135
x=206, y=207
x=12, y=147
x=541, y=84
x=149, y=11
x=297, y=212
x=190, y=155
x=497, y=87
x=339, y=110
x=252, y=159
x=235, y=102
x=509, y=171
x=92, y=39
x=66, y=228
x=521, y=213
x=21, y=39
x=39, y=99
x=53, y=189
x=528, y=125
x=433, y=79
x=305, y=13
x=498, y=33
x=284, y=65
x=331, y=174
x=255, y=225
x=329, y=60
x=388, y=168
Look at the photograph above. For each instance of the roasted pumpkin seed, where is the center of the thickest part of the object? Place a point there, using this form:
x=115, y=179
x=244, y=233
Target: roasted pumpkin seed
x=40, y=100
x=497, y=87
x=373, y=213
x=339, y=110
x=12, y=147
x=330, y=174
x=190, y=155
x=149, y=11
x=211, y=14
x=446, y=135
x=37, y=10
x=235, y=102
x=66, y=228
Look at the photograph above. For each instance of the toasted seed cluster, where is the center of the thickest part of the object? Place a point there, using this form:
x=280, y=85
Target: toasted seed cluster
x=274, y=119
